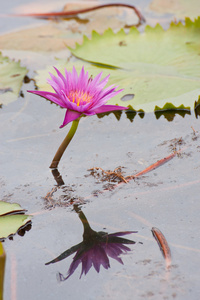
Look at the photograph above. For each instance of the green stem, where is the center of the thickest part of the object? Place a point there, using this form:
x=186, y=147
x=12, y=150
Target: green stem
x=2, y=268
x=64, y=144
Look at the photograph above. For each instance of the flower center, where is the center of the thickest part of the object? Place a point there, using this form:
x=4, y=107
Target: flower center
x=79, y=97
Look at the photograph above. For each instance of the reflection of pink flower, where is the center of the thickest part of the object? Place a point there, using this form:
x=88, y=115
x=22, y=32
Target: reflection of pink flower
x=80, y=94
x=96, y=252
x=95, y=249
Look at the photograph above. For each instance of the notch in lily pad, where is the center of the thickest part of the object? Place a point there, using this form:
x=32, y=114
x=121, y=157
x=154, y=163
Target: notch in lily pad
x=12, y=219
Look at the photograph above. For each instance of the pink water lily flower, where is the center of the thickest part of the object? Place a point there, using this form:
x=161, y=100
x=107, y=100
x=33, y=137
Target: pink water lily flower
x=80, y=94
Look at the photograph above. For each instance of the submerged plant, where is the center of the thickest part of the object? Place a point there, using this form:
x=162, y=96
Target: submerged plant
x=80, y=95
x=95, y=249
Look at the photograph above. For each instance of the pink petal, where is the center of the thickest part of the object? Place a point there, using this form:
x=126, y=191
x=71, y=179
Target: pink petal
x=57, y=81
x=82, y=80
x=68, y=80
x=50, y=96
x=70, y=116
x=108, y=91
x=103, y=98
x=94, y=87
x=103, y=82
x=62, y=78
x=74, y=78
x=54, y=85
x=95, y=82
x=107, y=108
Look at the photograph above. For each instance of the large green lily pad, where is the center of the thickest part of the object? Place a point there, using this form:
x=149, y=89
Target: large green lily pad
x=12, y=218
x=11, y=79
x=156, y=66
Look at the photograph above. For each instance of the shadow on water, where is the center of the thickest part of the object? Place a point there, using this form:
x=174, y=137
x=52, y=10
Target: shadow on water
x=21, y=231
x=169, y=115
x=131, y=114
x=95, y=249
x=197, y=108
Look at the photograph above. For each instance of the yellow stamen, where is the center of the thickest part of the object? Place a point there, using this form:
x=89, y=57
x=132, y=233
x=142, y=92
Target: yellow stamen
x=79, y=97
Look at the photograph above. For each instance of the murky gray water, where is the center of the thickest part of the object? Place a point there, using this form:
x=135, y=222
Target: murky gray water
x=167, y=198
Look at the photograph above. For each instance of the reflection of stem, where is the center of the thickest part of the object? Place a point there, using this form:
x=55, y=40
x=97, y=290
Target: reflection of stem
x=57, y=177
x=87, y=229
x=64, y=144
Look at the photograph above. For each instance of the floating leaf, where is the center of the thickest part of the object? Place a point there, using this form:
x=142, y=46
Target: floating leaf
x=157, y=66
x=10, y=208
x=11, y=219
x=179, y=8
x=55, y=35
x=11, y=78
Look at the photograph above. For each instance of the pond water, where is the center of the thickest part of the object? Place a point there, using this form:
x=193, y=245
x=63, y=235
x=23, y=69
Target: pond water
x=166, y=198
